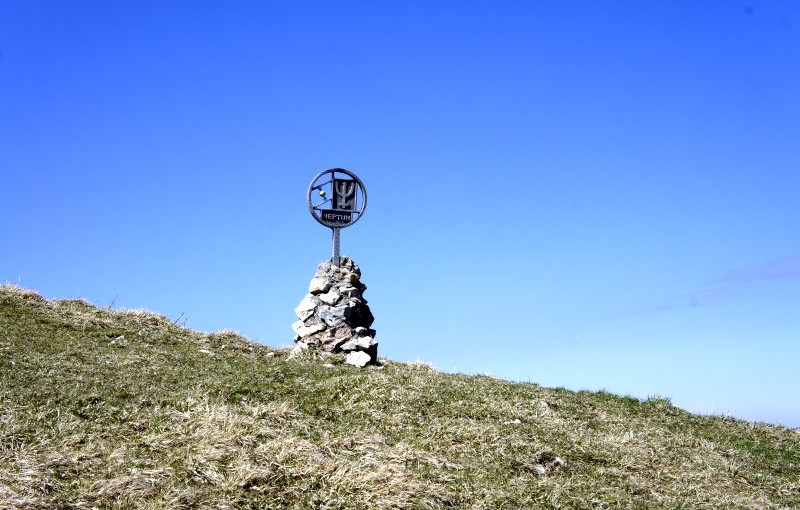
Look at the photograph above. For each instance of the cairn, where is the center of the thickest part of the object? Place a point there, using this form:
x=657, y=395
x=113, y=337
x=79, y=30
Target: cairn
x=334, y=315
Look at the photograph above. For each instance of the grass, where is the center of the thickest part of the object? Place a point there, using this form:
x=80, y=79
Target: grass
x=126, y=409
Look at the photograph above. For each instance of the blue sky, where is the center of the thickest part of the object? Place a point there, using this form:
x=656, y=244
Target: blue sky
x=594, y=195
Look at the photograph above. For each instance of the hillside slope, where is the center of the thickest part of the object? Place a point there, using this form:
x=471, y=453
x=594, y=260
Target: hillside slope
x=110, y=409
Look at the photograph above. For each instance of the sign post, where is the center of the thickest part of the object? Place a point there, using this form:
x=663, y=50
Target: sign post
x=337, y=199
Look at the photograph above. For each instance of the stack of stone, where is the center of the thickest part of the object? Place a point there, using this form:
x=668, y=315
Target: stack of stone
x=334, y=315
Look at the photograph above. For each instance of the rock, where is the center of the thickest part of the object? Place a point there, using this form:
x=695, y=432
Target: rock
x=330, y=297
x=361, y=315
x=358, y=359
x=362, y=331
x=351, y=292
x=306, y=308
x=330, y=343
x=351, y=266
x=323, y=269
x=305, y=343
x=302, y=330
x=318, y=285
x=335, y=316
x=359, y=343
x=343, y=332
x=313, y=321
x=548, y=463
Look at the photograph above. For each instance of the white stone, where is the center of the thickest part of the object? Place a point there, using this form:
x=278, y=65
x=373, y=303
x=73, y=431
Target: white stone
x=302, y=330
x=351, y=292
x=319, y=285
x=306, y=308
x=540, y=470
x=357, y=358
x=358, y=343
x=330, y=297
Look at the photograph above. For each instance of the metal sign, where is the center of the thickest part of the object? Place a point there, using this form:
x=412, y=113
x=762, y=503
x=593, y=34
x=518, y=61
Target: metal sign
x=337, y=199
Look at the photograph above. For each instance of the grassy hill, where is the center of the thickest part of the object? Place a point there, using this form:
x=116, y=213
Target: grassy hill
x=111, y=409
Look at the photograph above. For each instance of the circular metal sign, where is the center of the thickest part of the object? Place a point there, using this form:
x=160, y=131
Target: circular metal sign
x=337, y=198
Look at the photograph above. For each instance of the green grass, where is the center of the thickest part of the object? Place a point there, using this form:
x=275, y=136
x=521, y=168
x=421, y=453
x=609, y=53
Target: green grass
x=112, y=409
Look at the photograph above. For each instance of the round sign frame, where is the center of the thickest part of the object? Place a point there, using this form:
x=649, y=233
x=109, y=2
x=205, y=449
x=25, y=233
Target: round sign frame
x=320, y=188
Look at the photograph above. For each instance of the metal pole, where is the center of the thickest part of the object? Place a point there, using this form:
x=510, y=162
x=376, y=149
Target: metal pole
x=335, y=260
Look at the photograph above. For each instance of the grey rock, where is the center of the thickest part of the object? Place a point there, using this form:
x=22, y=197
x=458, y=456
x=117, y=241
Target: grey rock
x=313, y=321
x=302, y=330
x=329, y=344
x=323, y=268
x=343, y=332
x=335, y=316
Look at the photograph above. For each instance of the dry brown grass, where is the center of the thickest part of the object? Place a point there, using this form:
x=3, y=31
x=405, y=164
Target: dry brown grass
x=126, y=409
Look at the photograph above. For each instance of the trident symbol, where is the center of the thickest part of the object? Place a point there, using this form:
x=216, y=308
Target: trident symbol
x=344, y=190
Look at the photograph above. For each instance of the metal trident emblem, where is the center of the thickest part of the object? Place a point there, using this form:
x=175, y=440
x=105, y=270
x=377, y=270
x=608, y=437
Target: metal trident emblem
x=344, y=190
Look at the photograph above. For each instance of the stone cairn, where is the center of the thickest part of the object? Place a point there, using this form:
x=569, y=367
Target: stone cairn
x=334, y=315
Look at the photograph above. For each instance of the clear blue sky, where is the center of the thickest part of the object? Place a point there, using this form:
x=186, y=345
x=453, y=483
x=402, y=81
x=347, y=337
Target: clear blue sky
x=594, y=195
